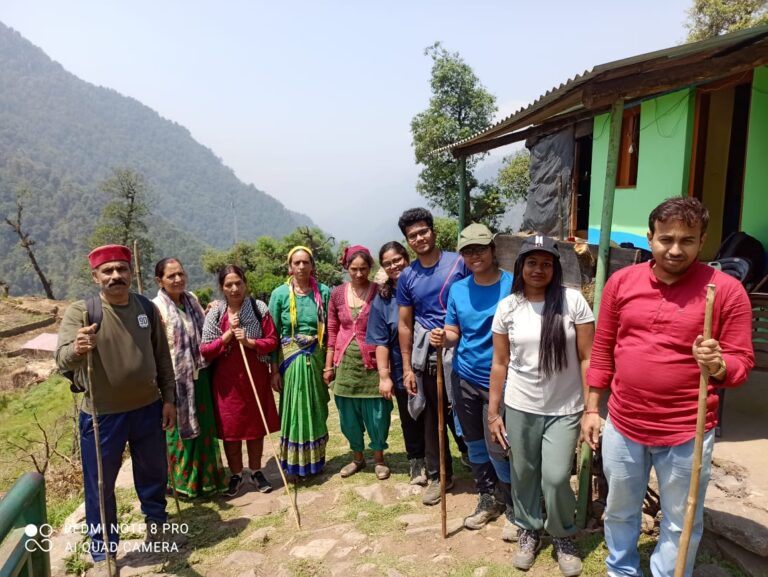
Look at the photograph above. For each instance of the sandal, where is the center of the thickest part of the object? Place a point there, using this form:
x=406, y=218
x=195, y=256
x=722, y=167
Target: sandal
x=352, y=468
x=382, y=471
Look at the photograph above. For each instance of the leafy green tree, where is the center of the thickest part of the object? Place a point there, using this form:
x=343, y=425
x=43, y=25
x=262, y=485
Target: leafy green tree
x=459, y=107
x=264, y=260
x=709, y=18
x=514, y=177
x=123, y=219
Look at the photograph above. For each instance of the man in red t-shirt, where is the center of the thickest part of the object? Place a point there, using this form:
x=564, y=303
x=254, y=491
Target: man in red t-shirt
x=649, y=351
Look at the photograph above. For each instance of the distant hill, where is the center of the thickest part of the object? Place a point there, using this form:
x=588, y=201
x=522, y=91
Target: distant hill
x=61, y=136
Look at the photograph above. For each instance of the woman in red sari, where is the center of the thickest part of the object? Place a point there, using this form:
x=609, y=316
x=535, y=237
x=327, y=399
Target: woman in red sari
x=241, y=320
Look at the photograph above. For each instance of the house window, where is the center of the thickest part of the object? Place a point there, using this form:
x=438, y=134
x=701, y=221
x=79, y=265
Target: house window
x=629, y=148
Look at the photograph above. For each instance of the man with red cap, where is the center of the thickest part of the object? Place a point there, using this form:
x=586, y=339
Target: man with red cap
x=132, y=393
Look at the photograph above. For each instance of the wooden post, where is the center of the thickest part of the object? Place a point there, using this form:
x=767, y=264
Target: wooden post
x=463, y=199
x=603, y=254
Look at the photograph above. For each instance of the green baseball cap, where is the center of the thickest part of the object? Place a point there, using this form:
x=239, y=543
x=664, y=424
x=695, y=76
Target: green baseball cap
x=475, y=234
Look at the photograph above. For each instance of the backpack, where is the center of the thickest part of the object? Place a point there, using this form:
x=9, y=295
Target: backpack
x=741, y=245
x=95, y=316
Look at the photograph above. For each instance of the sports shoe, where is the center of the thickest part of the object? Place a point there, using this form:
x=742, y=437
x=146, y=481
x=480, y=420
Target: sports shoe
x=509, y=532
x=262, y=485
x=528, y=544
x=486, y=511
x=567, y=557
x=235, y=484
x=418, y=476
x=431, y=495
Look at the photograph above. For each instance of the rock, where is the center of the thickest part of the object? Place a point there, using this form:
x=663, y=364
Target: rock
x=374, y=493
x=406, y=491
x=303, y=498
x=738, y=523
x=261, y=508
x=453, y=525
x=260, y=535
x=353, y=537
x=752, y=565
x=648, y=524
x=125, y=476
x=244, y=559
x=394, y=573
x=342, y=552
x=316, y=549
x=76, y=517
x=414, y=519
x=366, y=568
x=363, y=514
x=480, y=572
x=710, y=571
x=442, y=558
x=730, y=484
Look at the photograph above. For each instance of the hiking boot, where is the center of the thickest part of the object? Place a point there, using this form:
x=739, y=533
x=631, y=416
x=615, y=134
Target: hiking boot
x=431, y=495
x=486, y=511
x=528, y=544
x=567, y=557
x=509, y=532
x=154, y=532
x=418, y=476
x=262, y=485
x=235, y=484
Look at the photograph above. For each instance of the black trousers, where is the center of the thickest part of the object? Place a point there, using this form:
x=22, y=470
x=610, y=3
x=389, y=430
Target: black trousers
x=431, y=435
x=413, y=429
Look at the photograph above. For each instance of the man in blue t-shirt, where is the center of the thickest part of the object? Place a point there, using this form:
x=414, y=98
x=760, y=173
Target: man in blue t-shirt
x=422, y=297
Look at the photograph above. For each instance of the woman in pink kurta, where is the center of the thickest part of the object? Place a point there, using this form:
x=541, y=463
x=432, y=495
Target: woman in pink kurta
x=241, y=320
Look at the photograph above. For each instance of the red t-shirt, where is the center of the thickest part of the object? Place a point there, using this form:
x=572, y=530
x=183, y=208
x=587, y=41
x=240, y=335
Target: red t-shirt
x=643, y=349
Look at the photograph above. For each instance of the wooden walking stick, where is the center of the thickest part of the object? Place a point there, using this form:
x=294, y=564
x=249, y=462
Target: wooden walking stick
x=269, y=436
x=99, y=469
x=441, y=437
x=137, y=265
x=698, y=447
x=171, y=479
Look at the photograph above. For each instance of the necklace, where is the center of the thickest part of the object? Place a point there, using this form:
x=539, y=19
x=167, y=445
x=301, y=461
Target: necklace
x=300, y=291
x=357, y=299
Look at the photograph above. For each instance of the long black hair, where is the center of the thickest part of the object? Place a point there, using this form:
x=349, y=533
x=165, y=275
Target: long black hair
x=387, y=289
x=553, y=356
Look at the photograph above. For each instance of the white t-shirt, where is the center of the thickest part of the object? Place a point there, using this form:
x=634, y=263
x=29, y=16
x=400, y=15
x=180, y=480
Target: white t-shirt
x=526, y=390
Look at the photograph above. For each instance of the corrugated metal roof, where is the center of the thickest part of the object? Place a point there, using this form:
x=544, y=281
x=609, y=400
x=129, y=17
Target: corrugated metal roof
x=569, y=97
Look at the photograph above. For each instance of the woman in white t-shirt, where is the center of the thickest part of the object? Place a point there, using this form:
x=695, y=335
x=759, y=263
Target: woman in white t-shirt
x=542, y=339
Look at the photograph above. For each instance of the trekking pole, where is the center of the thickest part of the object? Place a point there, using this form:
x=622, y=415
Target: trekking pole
x=269, y=436
x=170, y=477
x=441, y=437
x=698, y=447
x=99, y=469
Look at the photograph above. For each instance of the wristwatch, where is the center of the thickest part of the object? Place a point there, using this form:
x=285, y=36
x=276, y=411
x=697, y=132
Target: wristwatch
x=720, y=373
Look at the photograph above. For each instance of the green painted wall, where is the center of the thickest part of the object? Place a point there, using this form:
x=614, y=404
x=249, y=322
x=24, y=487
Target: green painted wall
x=754, y=214
x=666, y=125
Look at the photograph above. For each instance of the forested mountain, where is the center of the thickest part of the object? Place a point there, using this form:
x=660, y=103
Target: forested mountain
x=60, y=137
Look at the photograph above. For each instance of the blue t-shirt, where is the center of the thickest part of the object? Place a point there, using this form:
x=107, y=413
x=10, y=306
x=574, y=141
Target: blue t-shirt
x=471, y=308
x=426, y=289
x=382, y=331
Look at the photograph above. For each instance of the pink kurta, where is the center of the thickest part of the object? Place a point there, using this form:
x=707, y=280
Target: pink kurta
x=237, y=415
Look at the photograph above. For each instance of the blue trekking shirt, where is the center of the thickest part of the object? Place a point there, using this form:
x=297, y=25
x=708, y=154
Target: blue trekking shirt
x=382, y=331
x=426, y=288
x=471, y=308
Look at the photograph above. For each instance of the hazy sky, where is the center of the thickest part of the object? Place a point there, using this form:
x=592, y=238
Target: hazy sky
x=312, y=101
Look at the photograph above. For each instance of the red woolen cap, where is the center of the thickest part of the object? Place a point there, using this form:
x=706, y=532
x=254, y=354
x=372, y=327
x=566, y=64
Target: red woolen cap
x=108, y=253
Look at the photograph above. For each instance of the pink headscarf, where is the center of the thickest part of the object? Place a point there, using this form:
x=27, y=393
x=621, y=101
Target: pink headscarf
x=351, y=250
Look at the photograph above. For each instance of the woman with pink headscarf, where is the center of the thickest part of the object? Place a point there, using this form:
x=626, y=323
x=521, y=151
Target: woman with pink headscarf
x=350, y=365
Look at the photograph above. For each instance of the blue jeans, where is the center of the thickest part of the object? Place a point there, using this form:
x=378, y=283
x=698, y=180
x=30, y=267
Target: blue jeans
x=141, y=429
x=627, y=466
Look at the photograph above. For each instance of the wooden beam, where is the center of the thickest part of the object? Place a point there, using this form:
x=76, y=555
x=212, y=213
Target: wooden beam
x=601, y=93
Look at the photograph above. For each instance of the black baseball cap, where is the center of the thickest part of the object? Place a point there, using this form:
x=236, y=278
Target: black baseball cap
x=539, y=242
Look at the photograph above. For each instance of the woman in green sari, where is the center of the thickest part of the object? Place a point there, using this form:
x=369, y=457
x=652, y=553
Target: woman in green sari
x=193, y=451
x=298, y=309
